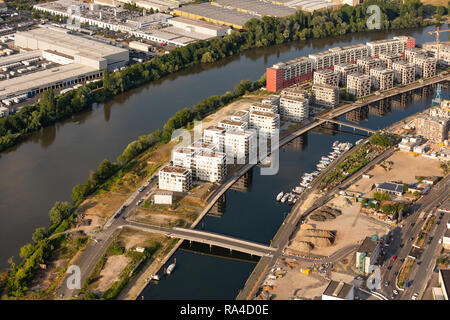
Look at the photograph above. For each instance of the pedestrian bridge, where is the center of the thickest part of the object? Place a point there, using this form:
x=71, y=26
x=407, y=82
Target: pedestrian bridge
x=345, y=124
x=213, y=239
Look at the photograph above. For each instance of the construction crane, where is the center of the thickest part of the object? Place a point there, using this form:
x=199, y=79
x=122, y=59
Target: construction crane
x=438, y=31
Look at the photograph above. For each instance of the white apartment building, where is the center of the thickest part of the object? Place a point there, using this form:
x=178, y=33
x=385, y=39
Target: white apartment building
x=343, y=70
x=425, y=66
x=381, y=78
x=387, y=59
x=404, y=72
x=266, y=123
x=294, y=109
x=240, y=146
x=271, y=99
x=215, y=135
x=440, y=51
x=294, y=92
x=365, y=64
x=338, y=55
x=184, y=157
x=174, y=178
x=241, y=115
x=326, y=76
x=210, y=166
x=233, y=125
x=263, y=108
x=358, y=84
x=395, y=45
x=325, y=95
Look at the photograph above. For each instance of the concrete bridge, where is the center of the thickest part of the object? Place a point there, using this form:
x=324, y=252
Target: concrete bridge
x=213, y=239
x=340, y=123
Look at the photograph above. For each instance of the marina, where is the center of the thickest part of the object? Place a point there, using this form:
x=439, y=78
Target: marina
x=307, y=178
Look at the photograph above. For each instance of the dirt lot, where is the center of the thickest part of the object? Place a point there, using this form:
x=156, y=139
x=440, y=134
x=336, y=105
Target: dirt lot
x=131, y=238
x=350, y=226
x=405, y=168
x=111, y=271
x=228, y=111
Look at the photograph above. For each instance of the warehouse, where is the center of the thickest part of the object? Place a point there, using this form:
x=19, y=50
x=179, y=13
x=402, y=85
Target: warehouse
x=255, y=7
x=214, y=14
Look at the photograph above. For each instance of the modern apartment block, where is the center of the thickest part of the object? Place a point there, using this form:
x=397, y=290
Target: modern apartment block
x=285, y=74
x=425, y=66
x=271, y=99
x=412, y=53
x=263, y=107
x=294, y=92
x=387, y=59
x=338, y=55
x=358, y=84
x=343, y=70
x=233, y=125
x=433, y=128
x=381, y=78
x=404, y=72
x=326, y=76
x=365, y=64
x=210, y=165
x=395, y=45
x=175, y=178
x=241, y=115
x=266, y=123
x=294, y=109
x=440, y=51
x=325, y=95
x=215, y=135
x=239, y=146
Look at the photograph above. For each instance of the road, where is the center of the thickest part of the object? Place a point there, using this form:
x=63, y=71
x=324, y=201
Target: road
x=401, y=244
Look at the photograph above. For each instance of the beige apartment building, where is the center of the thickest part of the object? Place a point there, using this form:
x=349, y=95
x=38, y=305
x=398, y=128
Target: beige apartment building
x=358, y=84
x=175, y=178
x=433, y=128
x=381, y=78
x=404, y=72
x=326, y=76
x=365, y=64
x=387, y=59
x=425, y=66
x=266, y=123
x=294, y=109
x=343, y=70
x=325, y=95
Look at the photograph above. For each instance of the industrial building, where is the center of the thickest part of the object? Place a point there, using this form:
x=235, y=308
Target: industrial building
x=404, y=72
x=367, y=255
x=326, y=76
x=215, y=14
x=255, y=7
x=381, y=78
x=69, y=60
x=392, y=188
x=365, y=64
x=294, y=109
x=338, y=290
x=156, y=27
x=325, y=95
x=175, y=178
x=358, y=84
x=285, y=74
x=308, y=5
x=343, y=70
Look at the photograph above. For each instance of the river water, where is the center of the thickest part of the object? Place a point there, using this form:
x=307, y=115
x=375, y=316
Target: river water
x=44, y=168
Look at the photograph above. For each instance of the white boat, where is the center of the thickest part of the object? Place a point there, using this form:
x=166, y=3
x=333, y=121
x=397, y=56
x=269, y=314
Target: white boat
x=283, y=200
x=171, y=267
x=335, y=143
x=280, y=195
x=156, y=277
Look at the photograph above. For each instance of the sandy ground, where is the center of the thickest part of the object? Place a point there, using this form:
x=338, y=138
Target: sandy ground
x=111, y=271
x=298, y=285
x=131, y=238
x=350, y=226
x=405, y=168
x=228, y=111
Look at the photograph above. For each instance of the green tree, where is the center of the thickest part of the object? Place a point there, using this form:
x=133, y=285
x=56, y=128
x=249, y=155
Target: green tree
x=26, y=251
x=60, y=211
x=39, y=234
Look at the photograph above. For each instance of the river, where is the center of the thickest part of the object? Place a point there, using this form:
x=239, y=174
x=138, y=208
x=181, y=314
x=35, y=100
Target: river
x=45, y=167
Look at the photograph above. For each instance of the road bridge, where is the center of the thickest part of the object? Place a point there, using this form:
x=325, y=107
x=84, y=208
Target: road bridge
x=213, y=239
x=345, y=124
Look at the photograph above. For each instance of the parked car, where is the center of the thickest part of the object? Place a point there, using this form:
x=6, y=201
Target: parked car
x=394, y=258
x=141, y=189
x=386, y=283
x=139, y=202
x=395, y=292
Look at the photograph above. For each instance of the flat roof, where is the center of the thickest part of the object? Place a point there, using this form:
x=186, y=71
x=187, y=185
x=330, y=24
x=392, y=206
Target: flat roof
x=37, y=79
x=71, y=44
x=446, y=279
x=368, y=246
x=265, y=114
x=257, y=7
x=231, y=122
x=19, y=57
x=391, y=186
x=199, y=23
x=174, y=169
x=338, y=289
